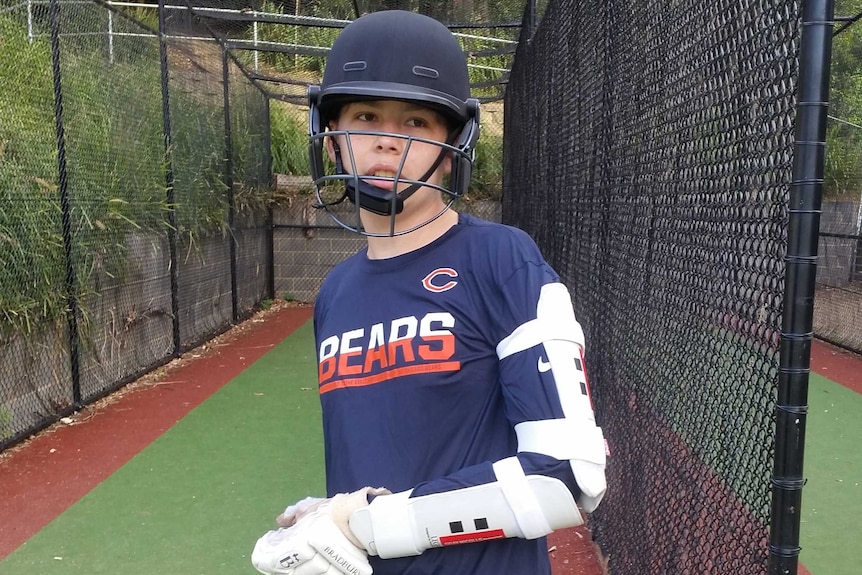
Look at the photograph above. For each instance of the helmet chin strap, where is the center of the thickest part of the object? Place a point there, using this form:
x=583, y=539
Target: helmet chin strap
x=378, y=200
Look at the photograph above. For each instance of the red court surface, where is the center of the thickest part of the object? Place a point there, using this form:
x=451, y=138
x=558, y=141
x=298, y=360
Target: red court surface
x=837, y=364
x=45, y=475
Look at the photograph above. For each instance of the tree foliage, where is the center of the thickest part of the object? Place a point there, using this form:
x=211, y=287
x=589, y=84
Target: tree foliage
x=843, y=177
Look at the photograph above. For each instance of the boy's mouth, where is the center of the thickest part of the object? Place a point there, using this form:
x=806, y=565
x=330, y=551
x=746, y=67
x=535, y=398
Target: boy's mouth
x=384, y=184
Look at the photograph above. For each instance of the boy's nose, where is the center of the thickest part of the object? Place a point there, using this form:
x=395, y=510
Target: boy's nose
x=387, y=141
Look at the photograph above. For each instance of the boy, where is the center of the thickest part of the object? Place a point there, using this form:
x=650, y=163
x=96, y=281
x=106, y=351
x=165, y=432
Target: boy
x=450, y=367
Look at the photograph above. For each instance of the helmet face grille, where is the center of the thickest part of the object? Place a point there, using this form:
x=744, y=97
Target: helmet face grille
x=334, y=185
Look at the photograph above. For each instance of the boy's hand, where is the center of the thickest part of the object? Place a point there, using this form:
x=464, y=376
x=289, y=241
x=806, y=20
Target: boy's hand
x=315, y=538
x=313, y=545
x=341, y=506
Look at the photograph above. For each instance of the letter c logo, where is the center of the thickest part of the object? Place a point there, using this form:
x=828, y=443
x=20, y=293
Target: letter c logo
x=432, y=286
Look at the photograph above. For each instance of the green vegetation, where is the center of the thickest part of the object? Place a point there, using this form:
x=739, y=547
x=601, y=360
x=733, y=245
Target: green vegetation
x=843, y=177
x=5, y=423
x=289, y=132
x=487, y=181
x=31, y=258
x=116, y=167
x=117, y=163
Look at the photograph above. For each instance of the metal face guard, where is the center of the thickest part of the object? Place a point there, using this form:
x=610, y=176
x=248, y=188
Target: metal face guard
x=332, y=188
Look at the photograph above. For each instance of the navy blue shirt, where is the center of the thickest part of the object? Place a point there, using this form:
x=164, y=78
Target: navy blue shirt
x=412, y=391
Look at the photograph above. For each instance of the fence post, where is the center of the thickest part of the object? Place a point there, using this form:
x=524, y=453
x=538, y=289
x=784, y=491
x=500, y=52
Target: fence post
x=110, y=37
x=71, y=281
x=228, y=151
x=533, y=17
x=30, y=21
x=169, y=180
x=254, y=26
x=800, y=274
x=270, y=217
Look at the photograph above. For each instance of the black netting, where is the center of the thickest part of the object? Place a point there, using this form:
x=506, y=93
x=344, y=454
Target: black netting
x=130, y=234
x=649, y=151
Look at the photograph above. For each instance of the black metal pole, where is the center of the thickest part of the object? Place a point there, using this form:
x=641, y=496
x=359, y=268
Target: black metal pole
x=533, y=17
x=169, y=180
x=270, y=218
x=71, y=281
x=228, y=177
x=801, y=269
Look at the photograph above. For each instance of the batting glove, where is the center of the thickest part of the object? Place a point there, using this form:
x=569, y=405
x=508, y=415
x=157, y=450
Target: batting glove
x=315, y=538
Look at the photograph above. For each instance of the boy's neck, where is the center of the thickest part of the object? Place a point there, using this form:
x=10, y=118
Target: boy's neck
x=380, y=248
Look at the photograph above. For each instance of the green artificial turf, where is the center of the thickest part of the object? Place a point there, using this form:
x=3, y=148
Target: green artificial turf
x=832, y=497
x=195, y=501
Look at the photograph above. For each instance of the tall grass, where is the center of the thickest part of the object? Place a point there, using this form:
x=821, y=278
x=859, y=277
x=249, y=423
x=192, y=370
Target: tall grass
x=116, y=167
x=31, y=245
x=288, y=126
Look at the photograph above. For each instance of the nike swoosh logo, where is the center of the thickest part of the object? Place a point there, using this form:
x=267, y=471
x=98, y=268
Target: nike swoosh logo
x=543, y=365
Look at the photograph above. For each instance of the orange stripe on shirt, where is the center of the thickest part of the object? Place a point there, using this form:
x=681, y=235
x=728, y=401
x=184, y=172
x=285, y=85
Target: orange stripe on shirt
x=391, y=374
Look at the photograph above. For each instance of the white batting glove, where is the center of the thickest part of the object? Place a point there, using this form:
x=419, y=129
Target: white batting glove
x=295, y=512
x=315, y=538
x=314, y=545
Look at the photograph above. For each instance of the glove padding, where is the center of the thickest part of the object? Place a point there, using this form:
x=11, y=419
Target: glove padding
x=313, y=545
x=295, y=512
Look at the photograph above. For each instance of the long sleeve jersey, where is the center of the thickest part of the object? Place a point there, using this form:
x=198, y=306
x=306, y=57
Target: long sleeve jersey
x=412, y=390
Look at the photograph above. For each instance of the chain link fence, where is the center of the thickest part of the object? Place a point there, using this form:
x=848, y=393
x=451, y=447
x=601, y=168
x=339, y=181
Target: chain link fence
x=134, y=186
x=141, y=204
x=650, y=150
x=838, y=301
x=283, y=47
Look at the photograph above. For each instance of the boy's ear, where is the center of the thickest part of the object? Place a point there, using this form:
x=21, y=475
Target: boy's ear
x=446, y=164
x=330, y=148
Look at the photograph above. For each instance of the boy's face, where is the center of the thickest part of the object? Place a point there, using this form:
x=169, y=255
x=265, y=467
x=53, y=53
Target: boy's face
x=382, y=154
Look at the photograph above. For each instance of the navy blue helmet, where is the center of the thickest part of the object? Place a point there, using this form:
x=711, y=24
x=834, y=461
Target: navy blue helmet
x=396, y=55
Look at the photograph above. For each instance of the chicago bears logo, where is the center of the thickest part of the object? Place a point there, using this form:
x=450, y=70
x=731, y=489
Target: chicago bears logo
x=433, y=282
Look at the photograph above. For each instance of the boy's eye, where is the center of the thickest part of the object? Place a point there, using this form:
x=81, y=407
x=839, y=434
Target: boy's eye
x=365, y=116
x=417, y=122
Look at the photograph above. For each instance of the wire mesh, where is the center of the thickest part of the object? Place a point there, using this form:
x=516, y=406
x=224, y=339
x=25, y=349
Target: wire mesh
x=282, y=48
x=649, y=152
x=838, y=301
x=131, y=235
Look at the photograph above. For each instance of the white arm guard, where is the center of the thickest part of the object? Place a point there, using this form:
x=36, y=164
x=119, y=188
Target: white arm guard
x=516, y=505
x=575, y=437
x=513, y=506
